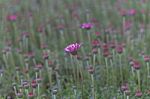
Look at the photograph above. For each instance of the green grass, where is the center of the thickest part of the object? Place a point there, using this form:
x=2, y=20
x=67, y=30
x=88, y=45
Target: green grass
x=59, y=23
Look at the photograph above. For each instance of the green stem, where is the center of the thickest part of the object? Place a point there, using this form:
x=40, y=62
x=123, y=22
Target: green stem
x=49, y=71
x=72, y=64
x=107, y=71
x=38, y=91
x=89, y=36
x=75, y=93
x=54, y=96
x=93, y=86
x=94, y=58
x=113, y=72
x=99, y=55
x=148, y=73
x=127, y=97
x=138, y=76
x=120, y=64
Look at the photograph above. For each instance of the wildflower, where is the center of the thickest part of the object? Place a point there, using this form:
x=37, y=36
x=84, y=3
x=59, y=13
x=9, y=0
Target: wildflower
x=30, y=54
x=128, y=24
x=124, y=87
x=60, y=26
x=106, y=53
x=132, y=12
x=25, y=34
x=112, y=44
x=45, y=55
x=39, y=80
x=39, y=66
x=119, y=49
x=95, y=43
x=138, y=93
x=123, y=12
x=136, y=64
x=50, y=63
x=12, y=17
x=86, y=26
x=72, y=48
x=25, y=84
x=34, y=83
x=19, y=95
x=97, y=33
x=44, y=46
x=146, y=58
x=94, y=50
x=91, y=69
x=127, y=92
x=105, y=47
x=30, y=95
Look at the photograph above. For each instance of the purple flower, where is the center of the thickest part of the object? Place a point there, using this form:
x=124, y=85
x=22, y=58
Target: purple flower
x=124, y=87
x=138, y=93
x=72, y=48
x=132, y=12
x=12, y=17
x=136, y=64
x=86, y=26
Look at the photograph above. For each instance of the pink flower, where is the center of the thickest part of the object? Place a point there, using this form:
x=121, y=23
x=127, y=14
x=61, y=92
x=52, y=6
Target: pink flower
x=112, y=44
x=138, y=93
x=72, y=48
x=96, y=43
x=132, y=12
x=30, y=94
x=34, y=84
x=97, y=33
x=91, y=69
x=119, y=49
x=146, y=58
x=19, y=95
x=25, y=34
x=136, y=64
x=86, y=26
x=12, y=17
x=124, y=87
x=39, y=66
x=128, y=24
x=95, y=50
x=123, y=12
x=45, y=55
x=106, y=53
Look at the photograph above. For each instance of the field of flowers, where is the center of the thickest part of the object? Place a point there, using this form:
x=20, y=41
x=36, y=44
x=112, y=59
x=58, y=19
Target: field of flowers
x=74, y=49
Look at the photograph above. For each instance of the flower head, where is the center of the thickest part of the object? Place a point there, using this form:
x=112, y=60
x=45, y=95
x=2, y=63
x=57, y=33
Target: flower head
x=119, y=49
x=86, y=26
x=12, y=17
x=136, y=64
x=34, y=84
x=96, y=43
x=91, y=69
x=132, y=12
x=30, y=94
x=123, y=12
x=146, y=58
x=72, y=48
x=138, y=93
x=124, y=87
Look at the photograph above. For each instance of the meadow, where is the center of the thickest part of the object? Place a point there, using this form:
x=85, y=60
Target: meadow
x=74, y=49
